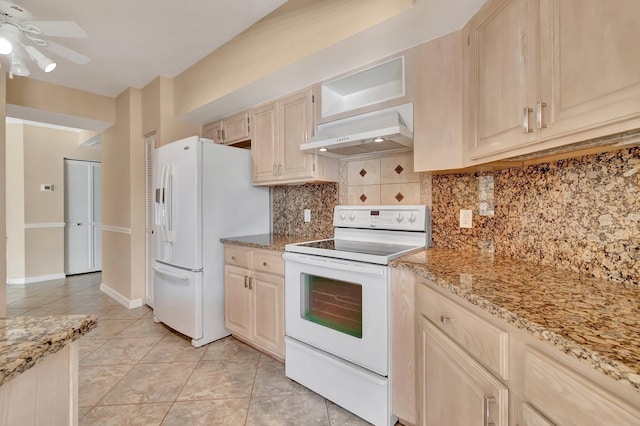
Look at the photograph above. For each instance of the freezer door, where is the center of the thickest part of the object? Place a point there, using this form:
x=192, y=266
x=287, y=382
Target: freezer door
x=179, y=205
x=178, y=299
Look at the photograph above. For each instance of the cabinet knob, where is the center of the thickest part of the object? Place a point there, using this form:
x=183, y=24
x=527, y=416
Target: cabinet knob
x=487, y=414
x=525, y=120
x=233, y=258
x=264, y=263
x=445, y=319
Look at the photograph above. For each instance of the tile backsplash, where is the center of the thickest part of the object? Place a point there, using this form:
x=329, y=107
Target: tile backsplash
x=581, y=214
x=289, y=202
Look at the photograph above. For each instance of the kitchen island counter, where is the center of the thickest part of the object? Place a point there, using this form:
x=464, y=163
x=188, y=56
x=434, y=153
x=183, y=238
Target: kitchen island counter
x=25, y=341
x=590, y=319
x=268, y=241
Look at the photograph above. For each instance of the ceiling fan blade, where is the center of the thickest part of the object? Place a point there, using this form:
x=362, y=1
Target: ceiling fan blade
x=57, y=28
x=67, y=53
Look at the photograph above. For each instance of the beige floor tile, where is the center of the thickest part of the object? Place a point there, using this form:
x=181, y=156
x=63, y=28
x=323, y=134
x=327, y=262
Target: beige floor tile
x=44, y=311
x=129, y=415
x=292, y=410
x=228, y=378
x=342, y=417
x=121, y=351
x=222, y=412
x=174, y=347
x=88, y=346
x=95, y=382
x=271, y=381
x=95, y=310
x=144, y=327
x=82, y=411
x=14, y=312
x=150, y=383
x=108, y=328
x=229, y=348
x=120, y=312
x=31, y=302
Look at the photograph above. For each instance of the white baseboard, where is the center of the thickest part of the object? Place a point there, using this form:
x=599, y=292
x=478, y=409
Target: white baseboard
x=20, y=282
x=127, y=303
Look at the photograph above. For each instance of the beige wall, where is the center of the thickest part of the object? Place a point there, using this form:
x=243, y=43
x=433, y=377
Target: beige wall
x=15, y=201
x=123, y=173
x=294, y=31
x=36, y=155
x=3, y=257
x=39, y=95
x=157, y=113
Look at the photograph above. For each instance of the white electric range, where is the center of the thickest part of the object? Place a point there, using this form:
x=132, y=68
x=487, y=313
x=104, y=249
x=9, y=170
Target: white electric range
x=337, y=305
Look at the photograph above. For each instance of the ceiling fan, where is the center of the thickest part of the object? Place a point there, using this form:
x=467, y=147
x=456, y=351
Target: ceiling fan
x=20, y=34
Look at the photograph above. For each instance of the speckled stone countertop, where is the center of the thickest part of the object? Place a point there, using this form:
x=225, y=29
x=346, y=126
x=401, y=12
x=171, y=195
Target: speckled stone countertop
x=267, y=241
x=593, y=320
x=24, y=341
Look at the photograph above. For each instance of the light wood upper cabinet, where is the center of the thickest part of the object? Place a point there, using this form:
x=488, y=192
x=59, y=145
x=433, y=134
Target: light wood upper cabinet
x=279, y=128
x=229, y=130
x=502, y=50
x=590, y=66
x=437, y=136
x=546, y=73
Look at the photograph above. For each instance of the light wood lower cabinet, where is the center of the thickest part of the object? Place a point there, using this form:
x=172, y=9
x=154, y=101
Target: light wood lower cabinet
x=471, y=364
x=254, y=298
x=454, y=388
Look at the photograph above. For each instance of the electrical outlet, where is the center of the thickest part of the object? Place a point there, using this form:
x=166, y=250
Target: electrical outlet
x=307, y=215
x=466, y=218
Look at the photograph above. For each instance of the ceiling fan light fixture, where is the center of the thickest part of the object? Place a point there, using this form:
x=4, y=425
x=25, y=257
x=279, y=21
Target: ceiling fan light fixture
x=18, y=66
x=6, y=47
x=46, y=64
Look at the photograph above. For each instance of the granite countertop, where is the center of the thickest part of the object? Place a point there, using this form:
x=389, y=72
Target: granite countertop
x=267, y=241
x=593, y=320
x=24, y=341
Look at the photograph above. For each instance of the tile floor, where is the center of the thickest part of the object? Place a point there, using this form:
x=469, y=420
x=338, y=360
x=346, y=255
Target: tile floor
x=136, y=372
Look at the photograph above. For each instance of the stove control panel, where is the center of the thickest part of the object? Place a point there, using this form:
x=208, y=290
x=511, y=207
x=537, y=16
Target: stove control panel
x=405, y=218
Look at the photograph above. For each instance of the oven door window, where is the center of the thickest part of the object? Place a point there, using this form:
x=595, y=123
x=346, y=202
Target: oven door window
x=332, y=303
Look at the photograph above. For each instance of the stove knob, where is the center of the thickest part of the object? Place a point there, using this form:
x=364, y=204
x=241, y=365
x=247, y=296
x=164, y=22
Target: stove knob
x=343, y=216
x=352, y=216
x=399, y=218
x=412, y=217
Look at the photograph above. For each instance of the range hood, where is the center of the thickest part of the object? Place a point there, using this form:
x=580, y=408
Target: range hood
x=387, y=130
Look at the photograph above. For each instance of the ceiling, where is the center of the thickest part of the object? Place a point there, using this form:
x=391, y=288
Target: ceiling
x=130, y=43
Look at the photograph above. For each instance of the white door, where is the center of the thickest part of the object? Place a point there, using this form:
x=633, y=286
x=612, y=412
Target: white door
x=149, y=144
x=83, y=211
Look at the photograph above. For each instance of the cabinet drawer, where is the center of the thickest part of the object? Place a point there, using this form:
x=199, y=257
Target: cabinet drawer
x=237, y=256
x=486, y=342
x=268, y=262
x=566, y=398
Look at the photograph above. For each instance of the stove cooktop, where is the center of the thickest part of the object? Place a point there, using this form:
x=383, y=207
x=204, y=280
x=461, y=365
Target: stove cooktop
x=371, y=252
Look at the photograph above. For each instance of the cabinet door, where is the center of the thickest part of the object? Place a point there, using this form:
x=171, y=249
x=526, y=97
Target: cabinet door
x=237, y=306
x=295, y=115
x=263, y=143
x=502, y=48
x=235, y=128
x=454, y=388
x=267, y=302
x=213, y=131
x=590, y=64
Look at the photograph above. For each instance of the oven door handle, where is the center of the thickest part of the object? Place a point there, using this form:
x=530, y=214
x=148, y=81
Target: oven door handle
x=336, y=264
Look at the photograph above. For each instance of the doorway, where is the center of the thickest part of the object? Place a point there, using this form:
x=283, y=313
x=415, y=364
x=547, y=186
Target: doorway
x=82, y=216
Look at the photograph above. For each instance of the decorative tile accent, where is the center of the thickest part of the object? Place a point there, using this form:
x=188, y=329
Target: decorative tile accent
x=399, y=196
x=371, y=195
x=363, y=172
x=399, y=169
x=363, y=198
x=400, y=193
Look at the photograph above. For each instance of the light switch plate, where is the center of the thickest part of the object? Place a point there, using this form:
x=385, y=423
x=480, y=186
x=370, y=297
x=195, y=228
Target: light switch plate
x=307, y=215
x=466, y=217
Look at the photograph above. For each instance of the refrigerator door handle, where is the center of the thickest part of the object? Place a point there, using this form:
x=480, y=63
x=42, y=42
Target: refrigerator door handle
x=181, y=277
x=163, y=203
x=169, y=203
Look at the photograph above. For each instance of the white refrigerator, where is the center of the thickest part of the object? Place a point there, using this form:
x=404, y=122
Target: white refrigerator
x=203, y=192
